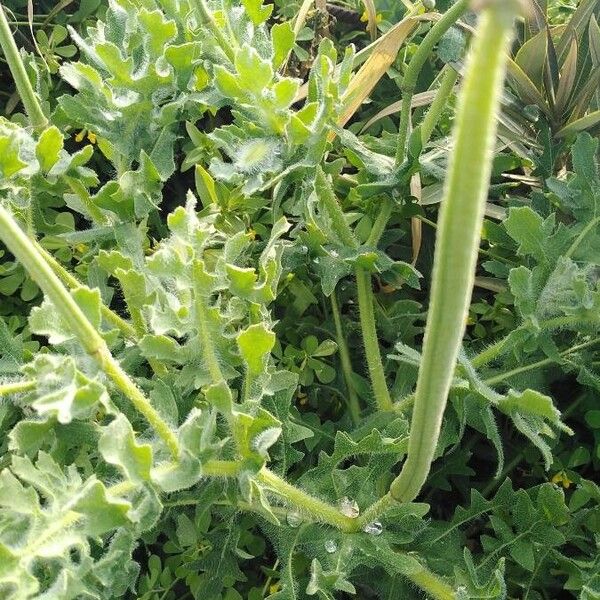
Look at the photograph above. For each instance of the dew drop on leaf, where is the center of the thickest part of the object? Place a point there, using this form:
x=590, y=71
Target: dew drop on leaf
x=374, y=528
x=349, y=507
x=294, y=519
x=330, y=546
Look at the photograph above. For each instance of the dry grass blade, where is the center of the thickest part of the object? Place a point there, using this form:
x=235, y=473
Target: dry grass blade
x=416, y=225
x=418, y=100
x=375, y=67
x=301, y=16
x=33, y=38
x=371, y=18
x=56, y=10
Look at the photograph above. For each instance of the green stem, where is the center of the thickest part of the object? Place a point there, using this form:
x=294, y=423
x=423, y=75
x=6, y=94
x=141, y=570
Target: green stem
x=16, y=387
x=409, y=82
x=428, y=125
x=456, y=250
x=365, y=294
x=432, y=117
x=406, y=403
x=72, y=282
x=321, y=511
x=376, y=510
x=371, y=343
x=205, y=14
x=338, y=220
x=353, y=404
x=211, y=468
x=582, y=236
x=92, y=342
x=538, y=365
x=430, y=583
x=385, y=212
x=496, y=350
x=95, y=213
x=17, y=68
x=208, y=349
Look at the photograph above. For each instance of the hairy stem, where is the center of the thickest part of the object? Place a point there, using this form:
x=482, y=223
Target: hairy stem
x=338, y=220
x=409, y=82
x=366, y=302
x=539, y=364
x=72, y=282
x=208, y=350
x=17, y=68
x=430, y=583
x=206, y=15
x=211, y=468
x=353, y=404
x=502, y=346
x=428, y=125
x=457, y=243
x=321, y=511
x=385, y=212
x=449, y=78
x=91, y=341
x=16, y=387
x=373, y=512
x=365, y=295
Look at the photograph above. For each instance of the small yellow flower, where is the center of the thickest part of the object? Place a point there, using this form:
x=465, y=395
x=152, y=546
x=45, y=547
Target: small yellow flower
x=92, y=137
x=365, y=17
x=79, y=137
x=274, y=588
x=81, y=248
x=561, y=478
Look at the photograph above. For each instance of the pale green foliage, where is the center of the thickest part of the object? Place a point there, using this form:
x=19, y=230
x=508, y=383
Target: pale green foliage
x=225, y=348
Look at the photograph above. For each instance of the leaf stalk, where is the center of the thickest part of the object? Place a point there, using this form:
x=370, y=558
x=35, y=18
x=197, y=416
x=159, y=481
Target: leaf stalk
x=409, y=82
x=30, y=101
x=92, y=342
x=457, y=243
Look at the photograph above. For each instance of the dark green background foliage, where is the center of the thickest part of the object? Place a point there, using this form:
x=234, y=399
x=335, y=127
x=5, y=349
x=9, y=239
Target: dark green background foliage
x=183, y=190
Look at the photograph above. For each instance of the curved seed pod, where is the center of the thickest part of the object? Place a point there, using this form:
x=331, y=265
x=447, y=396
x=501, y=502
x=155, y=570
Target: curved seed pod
x=458, y=238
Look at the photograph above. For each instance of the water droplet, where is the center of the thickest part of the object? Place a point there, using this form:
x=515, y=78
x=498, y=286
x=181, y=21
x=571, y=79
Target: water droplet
x=330, y=546
x=294, y=519
x=349, y=508
x=374, y=528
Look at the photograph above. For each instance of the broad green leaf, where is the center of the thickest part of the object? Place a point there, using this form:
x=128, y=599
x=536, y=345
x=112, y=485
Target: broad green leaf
x=119, y=447
x=49, y=147
x=283, y=38
x=254, y=73
x=256, y=11
x=255, y=344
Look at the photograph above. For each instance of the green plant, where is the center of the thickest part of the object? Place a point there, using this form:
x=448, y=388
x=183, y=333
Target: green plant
x=186, y=418
x=555, y=68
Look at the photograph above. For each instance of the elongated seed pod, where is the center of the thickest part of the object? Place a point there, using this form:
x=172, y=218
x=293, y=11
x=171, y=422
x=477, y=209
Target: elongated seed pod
x=457, y=243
